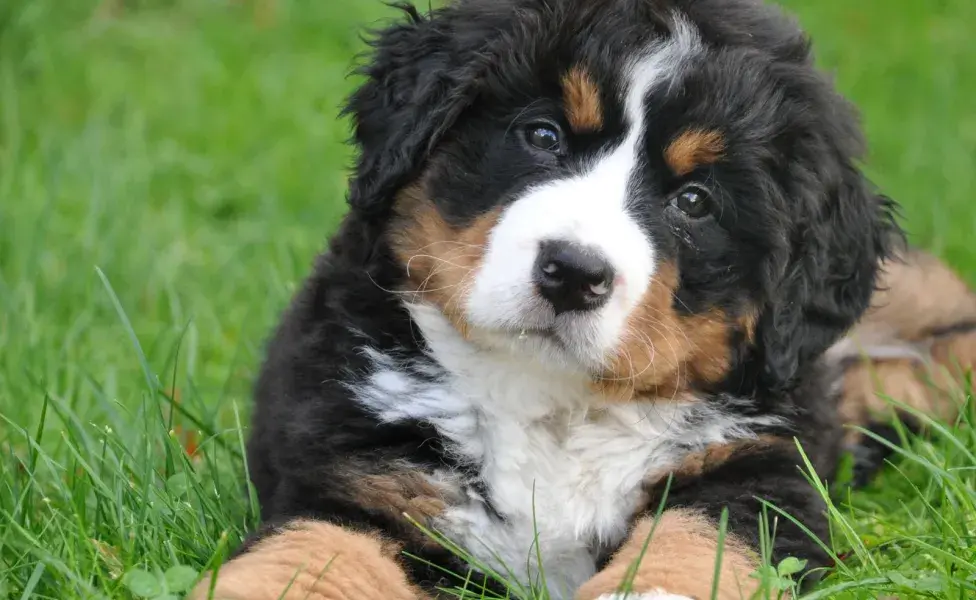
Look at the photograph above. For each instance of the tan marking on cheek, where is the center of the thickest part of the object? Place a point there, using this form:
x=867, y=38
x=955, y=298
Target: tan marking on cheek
x=711, y=354
x=680, y=559
x=747, y=324
x=317, y=561
x=581, y=99
x=661, y=352
x=440, y=260
x=692, y=149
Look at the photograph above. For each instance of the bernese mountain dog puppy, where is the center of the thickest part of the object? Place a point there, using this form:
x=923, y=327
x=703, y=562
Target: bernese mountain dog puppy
x=599, y=277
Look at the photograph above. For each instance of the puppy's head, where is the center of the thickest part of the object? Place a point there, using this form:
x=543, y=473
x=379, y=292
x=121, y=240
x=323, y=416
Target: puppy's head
x=654, y=192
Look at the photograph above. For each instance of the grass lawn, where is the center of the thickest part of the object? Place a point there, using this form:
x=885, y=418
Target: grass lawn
x=168, y=168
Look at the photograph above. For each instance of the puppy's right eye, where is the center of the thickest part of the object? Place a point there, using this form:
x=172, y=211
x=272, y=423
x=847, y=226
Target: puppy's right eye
x=545, y=137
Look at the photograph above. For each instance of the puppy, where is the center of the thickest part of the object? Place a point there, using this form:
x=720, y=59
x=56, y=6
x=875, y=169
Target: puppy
x=601, y=258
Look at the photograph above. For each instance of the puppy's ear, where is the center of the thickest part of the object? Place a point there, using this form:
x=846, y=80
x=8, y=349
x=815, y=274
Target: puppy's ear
x=416, y=85
x=843, y=233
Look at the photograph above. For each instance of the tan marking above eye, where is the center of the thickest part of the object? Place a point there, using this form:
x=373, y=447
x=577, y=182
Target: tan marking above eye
x=692, y=149
x=581, y=99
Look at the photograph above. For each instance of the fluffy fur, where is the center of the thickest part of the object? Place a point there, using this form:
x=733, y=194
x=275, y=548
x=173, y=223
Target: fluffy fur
x=592, y=247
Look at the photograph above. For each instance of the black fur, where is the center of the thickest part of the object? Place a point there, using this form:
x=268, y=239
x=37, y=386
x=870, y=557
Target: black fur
x=801, y=240
x=807, y=252
x=870, y=454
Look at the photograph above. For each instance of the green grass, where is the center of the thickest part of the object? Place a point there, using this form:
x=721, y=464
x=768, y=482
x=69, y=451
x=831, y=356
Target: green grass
x=167, y=171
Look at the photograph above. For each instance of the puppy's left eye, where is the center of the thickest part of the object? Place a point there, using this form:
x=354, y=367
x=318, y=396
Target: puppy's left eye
x=545, y=137
x=693, y=200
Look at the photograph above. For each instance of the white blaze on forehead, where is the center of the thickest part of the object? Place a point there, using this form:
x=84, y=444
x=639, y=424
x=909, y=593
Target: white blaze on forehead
x=659, y=64
x=591, y=209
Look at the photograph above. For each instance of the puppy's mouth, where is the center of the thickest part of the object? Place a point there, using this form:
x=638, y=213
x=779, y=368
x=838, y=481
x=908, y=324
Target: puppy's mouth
x=549, y=334
x=566, y=340
x=527, y=333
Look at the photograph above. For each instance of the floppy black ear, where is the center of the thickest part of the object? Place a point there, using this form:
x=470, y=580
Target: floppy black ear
x=416, y=86
x=829, y=280
x=821, y=279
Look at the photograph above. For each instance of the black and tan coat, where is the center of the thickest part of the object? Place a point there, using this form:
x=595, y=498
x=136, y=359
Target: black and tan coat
x=593, y=247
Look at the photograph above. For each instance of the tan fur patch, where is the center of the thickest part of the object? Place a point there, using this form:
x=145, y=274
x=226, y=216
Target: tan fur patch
x=865, y=386
x=692, y=149
x=317, y=561
x=581, y=99
x=956, y=352
x=662, y=352
x=917, y=297
x=747, y=323
x=441, y=260
x=934, y=386
x=401, y=493
x=715, y=455
x=680, y=559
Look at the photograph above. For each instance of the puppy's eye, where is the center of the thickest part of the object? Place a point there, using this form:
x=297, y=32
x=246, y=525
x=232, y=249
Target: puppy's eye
x=693, y=200
x=545, y=137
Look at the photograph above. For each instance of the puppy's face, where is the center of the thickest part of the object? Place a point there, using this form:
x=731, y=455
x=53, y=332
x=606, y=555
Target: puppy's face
x=624, y=200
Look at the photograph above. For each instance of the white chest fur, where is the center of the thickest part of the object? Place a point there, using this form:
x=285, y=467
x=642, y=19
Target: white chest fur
x=562, y=468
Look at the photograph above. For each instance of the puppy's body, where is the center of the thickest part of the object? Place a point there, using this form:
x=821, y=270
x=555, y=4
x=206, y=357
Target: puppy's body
x=591, y=246
x=550, y=457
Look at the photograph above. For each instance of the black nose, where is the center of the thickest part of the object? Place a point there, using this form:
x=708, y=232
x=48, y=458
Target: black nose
x=571, y=277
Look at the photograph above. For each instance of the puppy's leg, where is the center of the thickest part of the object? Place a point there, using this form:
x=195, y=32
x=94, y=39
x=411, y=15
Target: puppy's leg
x=683, y=551
x=313, y=560
x=915, y=345
x=931, y=381
x=679, y=561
